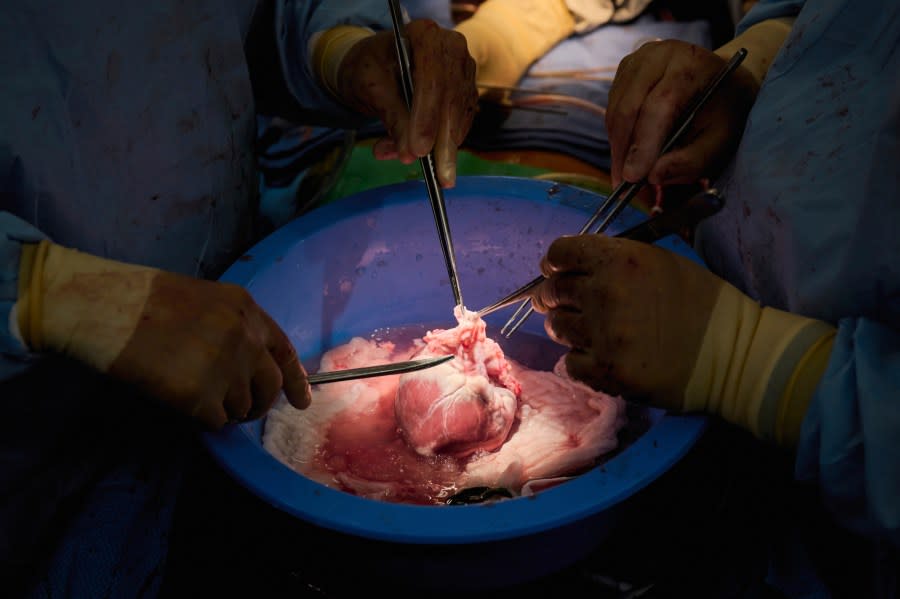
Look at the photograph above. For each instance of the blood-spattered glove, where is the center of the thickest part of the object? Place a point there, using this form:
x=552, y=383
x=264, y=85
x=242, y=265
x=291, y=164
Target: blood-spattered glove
x=360, y=68
x=506, y=36
x=205, y=348
x=651, y=324
x=655, y=84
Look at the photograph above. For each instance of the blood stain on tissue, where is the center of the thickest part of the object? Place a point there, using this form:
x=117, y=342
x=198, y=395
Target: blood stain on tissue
x=481, y=419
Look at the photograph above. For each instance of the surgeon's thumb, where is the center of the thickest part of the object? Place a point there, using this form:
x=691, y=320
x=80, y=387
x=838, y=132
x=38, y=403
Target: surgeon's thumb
x=445, y=155
x=295, y=384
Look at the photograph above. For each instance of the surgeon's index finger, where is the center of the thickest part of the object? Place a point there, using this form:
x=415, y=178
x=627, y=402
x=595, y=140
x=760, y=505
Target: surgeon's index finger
x=560, y=291
x=668, y=99
x=577, y=254
x=633, y=83
x=429, y=84
x=294, y=381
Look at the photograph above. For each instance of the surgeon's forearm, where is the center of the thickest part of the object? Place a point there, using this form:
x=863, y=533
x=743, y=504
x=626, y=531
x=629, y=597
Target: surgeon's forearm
x=330, y=49
x=80, y=305
x=505, y=37
x=762, y=41
x=759, y=367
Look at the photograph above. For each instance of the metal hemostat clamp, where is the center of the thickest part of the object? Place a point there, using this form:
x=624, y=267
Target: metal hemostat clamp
x=435, y=193
x=349, y=374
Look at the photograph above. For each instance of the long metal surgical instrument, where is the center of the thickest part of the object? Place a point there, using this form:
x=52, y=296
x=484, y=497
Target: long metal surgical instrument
x=379, y=370
x=435, y=193
x=697, y=208
x=625, y=191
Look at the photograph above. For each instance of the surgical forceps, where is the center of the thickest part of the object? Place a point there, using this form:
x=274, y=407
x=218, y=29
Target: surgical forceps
x=435, y=193
x=378, y=370
x=700, y=206
x=621, y=196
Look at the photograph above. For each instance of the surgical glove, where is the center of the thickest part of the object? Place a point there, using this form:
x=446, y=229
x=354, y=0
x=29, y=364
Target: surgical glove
x=360, y=69
x=655, y=84
x=205, y=348
x=652, y=89
x=647, y=323
x=506, y=36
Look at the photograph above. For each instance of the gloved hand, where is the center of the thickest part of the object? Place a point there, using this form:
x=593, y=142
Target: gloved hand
x=360, y=68
x=205, y=348
x=647, y=323
x=506, y=36
x=655, y=84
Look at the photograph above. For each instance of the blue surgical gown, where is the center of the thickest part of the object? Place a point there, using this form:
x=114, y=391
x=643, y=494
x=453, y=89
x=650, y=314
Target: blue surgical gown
x=811, y=226
x=127, y=131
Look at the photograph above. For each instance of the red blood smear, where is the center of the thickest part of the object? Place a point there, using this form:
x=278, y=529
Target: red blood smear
x=369, y=447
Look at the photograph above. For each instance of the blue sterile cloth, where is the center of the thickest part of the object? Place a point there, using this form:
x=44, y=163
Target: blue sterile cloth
x=580, y=132
x=294, y=155
x=436, y=10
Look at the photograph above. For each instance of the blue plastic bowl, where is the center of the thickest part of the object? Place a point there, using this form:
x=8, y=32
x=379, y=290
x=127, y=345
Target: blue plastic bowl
x=380, y=247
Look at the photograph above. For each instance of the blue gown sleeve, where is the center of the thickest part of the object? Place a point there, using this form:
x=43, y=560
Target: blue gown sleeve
x=14, y=355
x=296, y=22
x=850, y=440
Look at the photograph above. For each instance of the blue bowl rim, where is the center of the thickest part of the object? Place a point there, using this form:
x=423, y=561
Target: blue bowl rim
x=237, y=451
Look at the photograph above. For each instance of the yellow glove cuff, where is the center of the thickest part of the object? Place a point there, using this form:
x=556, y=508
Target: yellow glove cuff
x=28, y=305
x=802, y=385
x=506, y=36
x=329, y=52
x=758, y=367
x=762, y=41
x=77, y=304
